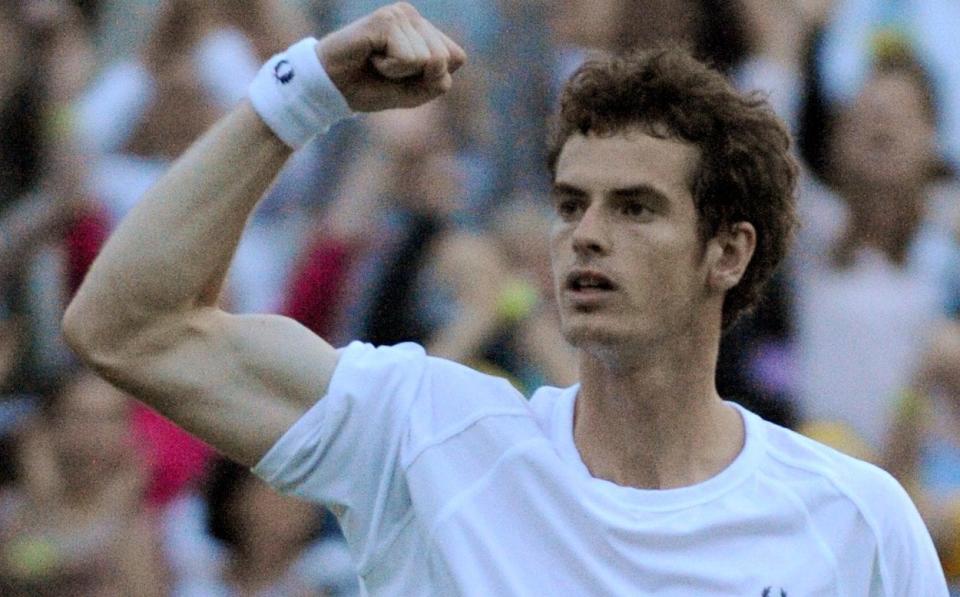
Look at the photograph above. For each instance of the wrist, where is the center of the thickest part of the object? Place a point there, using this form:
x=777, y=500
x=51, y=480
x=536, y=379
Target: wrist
x=295, y=97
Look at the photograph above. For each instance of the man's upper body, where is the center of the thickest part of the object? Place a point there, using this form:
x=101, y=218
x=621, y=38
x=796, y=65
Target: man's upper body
x=674, y=204
x=458, y=486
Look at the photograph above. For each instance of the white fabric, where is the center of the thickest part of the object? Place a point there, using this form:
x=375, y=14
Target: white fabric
x=295, y=97
x=447, y=482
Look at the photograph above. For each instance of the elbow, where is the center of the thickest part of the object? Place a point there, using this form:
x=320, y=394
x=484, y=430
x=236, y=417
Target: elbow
x=71, y=326
x=95, y=335
x=112, y=341
x=80, y=332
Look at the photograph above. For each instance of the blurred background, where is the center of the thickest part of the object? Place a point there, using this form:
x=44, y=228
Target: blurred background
x=430, y=225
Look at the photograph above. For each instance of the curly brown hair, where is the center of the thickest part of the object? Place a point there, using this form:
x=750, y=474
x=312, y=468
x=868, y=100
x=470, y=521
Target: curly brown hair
x=746, y=171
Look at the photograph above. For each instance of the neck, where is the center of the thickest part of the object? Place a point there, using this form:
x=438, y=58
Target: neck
x=657, y=423
x=885, y=219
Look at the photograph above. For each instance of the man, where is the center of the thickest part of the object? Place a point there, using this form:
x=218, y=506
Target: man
x=446, y=481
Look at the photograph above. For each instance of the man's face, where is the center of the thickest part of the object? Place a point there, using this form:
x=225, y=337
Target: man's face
x=627, y=257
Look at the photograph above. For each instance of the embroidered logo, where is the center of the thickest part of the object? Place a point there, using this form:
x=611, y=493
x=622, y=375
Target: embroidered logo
x=283, y=72
x=767, y=593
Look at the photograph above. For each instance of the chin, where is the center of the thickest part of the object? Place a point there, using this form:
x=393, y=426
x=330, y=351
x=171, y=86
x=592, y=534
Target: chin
x=587, y=335
x=609, y=339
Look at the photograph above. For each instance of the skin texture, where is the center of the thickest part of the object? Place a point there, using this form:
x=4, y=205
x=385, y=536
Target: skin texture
x=646, y=242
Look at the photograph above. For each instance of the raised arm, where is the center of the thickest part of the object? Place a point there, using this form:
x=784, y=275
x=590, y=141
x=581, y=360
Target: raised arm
x=146, y=317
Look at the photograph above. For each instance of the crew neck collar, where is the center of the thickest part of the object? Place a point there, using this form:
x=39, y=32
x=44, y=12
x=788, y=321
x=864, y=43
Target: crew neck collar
x=659, y=499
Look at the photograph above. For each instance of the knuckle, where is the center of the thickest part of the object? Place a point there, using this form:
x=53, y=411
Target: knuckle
x=406, y=9
x=384, y=16
x=436, y=64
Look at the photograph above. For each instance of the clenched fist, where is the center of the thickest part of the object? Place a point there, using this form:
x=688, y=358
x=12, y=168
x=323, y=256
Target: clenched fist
x=392, y=58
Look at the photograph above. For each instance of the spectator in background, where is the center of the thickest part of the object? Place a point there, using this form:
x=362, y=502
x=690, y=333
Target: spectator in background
x=876, y=266
x=245, y=539
x=893, y=205
x=416, y=269
x=46, y=215
x=196, y=63
x=15, y=404
x=930, y=26
x=708, y=28
x=74, y=522
x=923, y=450
x=144, y=110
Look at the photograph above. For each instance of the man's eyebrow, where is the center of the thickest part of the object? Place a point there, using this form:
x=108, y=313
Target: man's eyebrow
x=561, y=188
x=645, y=190
x=651, y=195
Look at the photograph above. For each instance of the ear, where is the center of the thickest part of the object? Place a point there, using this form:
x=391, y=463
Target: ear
x=728, y=255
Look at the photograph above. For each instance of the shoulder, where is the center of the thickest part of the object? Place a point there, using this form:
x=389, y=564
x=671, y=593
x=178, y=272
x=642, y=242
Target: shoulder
x=847, y=493
x=868, y=487
x=548, y=402
x=434, y=396
x=407, y=369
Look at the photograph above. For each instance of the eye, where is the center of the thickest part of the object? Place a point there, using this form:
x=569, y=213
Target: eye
x=635, y=209
x=569, y=208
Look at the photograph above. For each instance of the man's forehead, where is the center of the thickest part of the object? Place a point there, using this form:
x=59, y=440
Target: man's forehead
x=627, y=158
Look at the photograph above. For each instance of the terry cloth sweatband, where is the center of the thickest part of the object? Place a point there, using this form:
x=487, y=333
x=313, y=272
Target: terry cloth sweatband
x=295, y=97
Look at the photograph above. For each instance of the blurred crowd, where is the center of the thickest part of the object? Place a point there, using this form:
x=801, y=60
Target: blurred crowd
x=430, y=225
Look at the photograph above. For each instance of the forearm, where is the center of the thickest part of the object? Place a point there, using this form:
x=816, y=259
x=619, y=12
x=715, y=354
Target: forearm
x=170, y=255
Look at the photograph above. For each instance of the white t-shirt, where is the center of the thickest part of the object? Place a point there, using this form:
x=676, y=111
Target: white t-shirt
x=448, y=482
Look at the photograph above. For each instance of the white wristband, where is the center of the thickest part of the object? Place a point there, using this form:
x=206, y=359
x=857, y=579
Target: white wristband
x=295, y=97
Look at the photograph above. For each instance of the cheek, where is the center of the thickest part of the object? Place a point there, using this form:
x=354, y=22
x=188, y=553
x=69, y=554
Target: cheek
x=674, y=264
x=555, y=253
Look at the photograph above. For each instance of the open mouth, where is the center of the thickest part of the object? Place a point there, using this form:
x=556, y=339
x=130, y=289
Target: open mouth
x=586, y=281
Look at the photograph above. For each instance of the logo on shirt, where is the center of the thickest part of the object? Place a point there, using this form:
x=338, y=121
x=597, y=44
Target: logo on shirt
x=283, y=72
x=767, y=592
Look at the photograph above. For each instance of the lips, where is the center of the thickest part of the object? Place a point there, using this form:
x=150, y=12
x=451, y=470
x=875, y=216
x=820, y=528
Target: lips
x=589, y=281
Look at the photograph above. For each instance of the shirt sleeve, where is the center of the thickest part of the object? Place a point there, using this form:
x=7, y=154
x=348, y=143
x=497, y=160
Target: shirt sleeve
x=908, y=560
x=345, y=452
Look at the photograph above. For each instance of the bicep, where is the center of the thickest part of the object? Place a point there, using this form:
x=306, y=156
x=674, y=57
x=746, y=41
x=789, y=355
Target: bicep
x=237, y=382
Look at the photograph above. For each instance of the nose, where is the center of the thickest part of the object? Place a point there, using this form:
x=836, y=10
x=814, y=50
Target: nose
x=590, y=236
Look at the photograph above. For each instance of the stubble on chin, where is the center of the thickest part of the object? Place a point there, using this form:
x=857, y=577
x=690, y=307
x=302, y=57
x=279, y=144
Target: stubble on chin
x=600, y=341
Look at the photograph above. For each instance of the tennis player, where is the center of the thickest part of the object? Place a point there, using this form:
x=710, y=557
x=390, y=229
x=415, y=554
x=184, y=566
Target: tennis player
x=674, y=203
